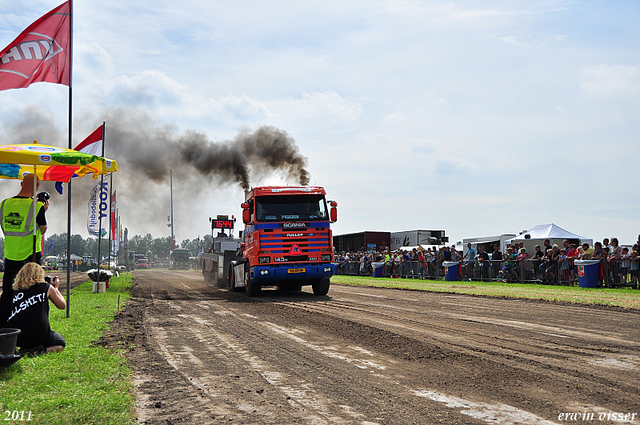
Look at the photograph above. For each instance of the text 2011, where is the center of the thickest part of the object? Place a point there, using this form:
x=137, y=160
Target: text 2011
x=17, y=415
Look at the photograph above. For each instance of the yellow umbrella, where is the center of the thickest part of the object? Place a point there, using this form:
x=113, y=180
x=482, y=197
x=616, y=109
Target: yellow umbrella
x=51, y=163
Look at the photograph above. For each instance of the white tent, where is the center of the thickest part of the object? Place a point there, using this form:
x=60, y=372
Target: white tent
x=556, y=234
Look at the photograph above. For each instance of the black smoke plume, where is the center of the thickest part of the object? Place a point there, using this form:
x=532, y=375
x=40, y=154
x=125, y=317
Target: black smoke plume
x=153, y=150
x=266, y=149
x=147, y=150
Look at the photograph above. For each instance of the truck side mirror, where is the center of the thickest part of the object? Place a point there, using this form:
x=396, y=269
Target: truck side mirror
x=246, y=212
x=333, y=212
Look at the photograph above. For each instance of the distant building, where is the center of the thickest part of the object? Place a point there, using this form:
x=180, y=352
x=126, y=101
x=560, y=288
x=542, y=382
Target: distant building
x=413, y=238
x=362, y=241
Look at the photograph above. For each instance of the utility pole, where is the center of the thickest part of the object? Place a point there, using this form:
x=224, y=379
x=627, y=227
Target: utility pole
x=171, y=224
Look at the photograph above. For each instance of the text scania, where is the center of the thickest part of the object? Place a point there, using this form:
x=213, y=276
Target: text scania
x=33, y=49
x=294, y=225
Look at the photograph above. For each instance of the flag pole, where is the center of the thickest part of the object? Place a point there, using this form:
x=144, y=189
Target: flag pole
x=70, y=147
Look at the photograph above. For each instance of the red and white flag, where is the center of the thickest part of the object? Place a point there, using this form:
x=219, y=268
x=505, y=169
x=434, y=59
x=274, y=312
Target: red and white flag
x=93, y=143
x=42, y=53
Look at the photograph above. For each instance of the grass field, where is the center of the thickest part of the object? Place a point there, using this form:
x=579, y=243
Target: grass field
x=622, y=297
x=82, y=384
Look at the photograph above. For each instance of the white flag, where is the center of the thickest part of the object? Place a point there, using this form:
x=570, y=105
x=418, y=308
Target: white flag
x=99, y=208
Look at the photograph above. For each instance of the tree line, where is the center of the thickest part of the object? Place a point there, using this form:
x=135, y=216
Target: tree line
x=152, y=248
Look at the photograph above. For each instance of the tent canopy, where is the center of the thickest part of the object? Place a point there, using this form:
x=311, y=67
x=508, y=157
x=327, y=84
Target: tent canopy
x=548, y=231
x=420, y=248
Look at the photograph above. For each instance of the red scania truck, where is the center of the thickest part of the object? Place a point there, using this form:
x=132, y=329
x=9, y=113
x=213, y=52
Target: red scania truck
x=287, y=240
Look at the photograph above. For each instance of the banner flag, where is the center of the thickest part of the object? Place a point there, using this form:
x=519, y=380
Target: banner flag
x=41, y=53
x=93, y=143
x=113, y=221
x=98, y=208
x=113, y=215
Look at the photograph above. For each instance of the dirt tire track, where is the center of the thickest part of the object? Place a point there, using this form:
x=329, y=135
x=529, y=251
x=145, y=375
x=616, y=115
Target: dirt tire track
x=202, y=355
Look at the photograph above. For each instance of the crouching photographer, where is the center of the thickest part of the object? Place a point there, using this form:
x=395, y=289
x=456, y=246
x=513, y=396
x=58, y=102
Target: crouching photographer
x=30, y=310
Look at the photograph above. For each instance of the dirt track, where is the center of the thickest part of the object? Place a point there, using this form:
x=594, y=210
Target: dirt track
x=371, y=356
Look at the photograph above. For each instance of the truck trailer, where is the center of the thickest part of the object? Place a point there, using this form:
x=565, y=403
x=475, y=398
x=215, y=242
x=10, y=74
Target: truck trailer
x=215, y=263
x=414, y=238
x=287, y=240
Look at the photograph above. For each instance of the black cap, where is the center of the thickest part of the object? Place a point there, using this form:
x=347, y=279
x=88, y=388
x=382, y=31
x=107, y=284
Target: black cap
x=43, y=197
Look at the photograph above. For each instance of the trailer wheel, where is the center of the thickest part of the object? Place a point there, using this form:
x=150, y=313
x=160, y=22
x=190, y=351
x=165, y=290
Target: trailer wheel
x=252, y=289
x=208, y=276
x=321, y=287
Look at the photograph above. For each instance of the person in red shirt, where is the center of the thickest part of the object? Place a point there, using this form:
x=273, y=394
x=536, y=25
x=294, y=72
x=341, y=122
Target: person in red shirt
x=423, y=264
x=572, y=254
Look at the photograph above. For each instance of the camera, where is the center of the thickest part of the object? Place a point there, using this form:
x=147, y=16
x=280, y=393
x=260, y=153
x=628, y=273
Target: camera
x=43, y=197
x=52, y=280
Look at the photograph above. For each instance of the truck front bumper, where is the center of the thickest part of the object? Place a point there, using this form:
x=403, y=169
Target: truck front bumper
x=269, y=275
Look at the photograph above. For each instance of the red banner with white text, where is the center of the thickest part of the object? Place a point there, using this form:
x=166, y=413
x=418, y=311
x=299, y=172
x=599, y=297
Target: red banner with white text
x=42, y=53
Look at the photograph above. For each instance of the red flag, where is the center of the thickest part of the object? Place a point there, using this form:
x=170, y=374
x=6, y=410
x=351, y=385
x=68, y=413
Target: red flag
x=93, y=143
x=42, y=53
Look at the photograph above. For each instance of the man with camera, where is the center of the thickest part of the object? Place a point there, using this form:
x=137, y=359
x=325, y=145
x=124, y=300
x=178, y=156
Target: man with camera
x=17, y=225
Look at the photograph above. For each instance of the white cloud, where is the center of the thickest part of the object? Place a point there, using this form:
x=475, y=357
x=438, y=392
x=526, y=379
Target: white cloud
x=91, y=62
x=237, y=109
x=327, y=105
x=447, y=165
x=393, y=117
x=149, y=88
x=609, y=80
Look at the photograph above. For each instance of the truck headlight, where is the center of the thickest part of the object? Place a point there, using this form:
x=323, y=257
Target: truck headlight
x=264, y=260
x=325, y=257
x=264, y=272
x=328, y=269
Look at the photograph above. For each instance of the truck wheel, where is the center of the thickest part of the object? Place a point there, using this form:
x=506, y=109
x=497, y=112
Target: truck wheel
x=252, y=289
x=321, y=287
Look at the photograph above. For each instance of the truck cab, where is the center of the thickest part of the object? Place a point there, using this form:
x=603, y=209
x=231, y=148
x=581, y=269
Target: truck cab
x=287, y=240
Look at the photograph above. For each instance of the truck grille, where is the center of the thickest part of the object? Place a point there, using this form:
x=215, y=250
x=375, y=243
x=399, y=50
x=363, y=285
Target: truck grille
x=296, y=245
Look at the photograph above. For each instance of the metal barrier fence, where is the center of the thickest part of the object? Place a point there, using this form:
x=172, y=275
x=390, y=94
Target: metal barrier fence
x=611, y=273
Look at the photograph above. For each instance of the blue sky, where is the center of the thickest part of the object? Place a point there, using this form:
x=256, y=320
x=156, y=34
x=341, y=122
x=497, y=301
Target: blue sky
x=477, y=117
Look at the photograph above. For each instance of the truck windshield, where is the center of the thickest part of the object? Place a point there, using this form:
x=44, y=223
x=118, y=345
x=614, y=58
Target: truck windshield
x=291, y=208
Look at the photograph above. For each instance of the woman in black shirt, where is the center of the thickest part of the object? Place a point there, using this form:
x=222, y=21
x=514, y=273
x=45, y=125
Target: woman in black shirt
x=30, y=310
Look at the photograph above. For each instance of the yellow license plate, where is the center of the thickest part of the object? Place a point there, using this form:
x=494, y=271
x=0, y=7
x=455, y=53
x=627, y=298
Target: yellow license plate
x=296, y=270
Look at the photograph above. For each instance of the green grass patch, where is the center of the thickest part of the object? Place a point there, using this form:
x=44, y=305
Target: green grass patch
x=620, y=297
x=83, y=383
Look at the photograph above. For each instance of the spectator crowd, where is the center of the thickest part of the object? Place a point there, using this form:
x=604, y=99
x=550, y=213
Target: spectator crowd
x=547, y=264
